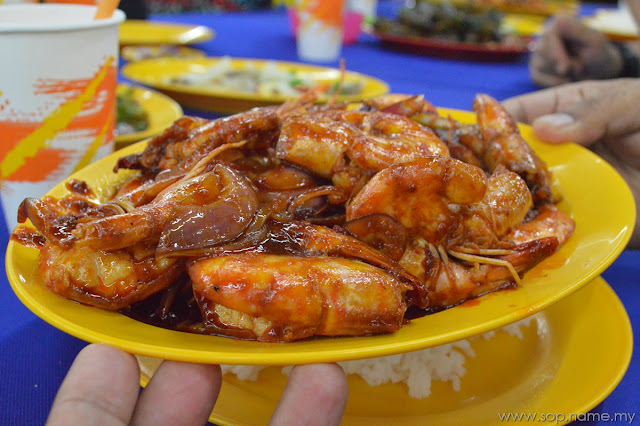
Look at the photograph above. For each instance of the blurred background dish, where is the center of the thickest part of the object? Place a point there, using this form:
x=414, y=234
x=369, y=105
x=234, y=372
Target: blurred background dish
x=142, y=113
x=138, y=53
x=432, y=27
x=136, y=32
x=617, y=24
x=230, y=85
x=534, y=7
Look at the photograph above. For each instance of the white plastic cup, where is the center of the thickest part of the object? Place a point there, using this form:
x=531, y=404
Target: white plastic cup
x=57, y=96
x=318, y=40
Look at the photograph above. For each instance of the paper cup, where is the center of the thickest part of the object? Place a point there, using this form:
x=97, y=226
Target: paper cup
x=57, y=96
x=320, y=30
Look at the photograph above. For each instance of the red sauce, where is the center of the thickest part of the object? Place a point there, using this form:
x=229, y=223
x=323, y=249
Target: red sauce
x=79, y=187
x=27, y=237
x=470, y=303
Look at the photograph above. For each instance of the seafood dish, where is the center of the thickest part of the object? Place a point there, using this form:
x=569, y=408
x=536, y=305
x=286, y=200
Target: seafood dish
x=303, y=220
x=447, y=22
x=442, y=28
x=533, y=7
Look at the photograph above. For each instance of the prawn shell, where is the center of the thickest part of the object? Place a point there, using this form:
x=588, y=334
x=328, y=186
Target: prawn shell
x=422, y=195
x=303, y=296
x=108, y=280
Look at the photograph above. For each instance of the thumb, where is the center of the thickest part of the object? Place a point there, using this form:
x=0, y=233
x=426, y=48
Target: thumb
x=603, y=116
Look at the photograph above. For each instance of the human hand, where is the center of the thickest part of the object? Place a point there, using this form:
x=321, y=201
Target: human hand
x=602, y=115
x=102, y=386
x=570, y=51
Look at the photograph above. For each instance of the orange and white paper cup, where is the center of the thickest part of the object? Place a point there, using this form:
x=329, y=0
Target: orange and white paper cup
x=320, y=29
x=57, y=95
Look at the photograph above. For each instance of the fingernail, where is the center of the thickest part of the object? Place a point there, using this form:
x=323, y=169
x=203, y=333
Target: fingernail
x=556, y=120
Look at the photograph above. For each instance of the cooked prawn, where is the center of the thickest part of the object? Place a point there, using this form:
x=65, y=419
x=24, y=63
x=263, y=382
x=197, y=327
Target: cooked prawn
x=349, y=146
x=109, y=280
x=503, y=145
x=208, y=209
x=457, y=220
x=452, y=277
x=425, y=195
x=285, y=298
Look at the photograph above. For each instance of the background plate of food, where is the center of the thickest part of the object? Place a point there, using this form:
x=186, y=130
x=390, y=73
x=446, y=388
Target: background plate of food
x=135, y=32
x=142, y=113
x=230, y=85
x=138, y=53
x=617, y=24
x=442, y=29
x=603, y=225
x=533, y=7
x=534, y=366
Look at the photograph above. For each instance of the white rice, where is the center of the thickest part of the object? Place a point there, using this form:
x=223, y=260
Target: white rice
x=416, y=369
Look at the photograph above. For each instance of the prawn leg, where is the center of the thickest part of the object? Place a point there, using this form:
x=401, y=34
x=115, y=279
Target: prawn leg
x=453, y=277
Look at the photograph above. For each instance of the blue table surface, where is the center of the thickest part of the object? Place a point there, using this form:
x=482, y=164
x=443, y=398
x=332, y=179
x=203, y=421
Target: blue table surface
x=35, y=356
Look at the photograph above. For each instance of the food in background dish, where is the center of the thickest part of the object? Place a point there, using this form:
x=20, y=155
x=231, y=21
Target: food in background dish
x=130, y=116
x=449, y=23
x=537, y=7
x=138, y=53
x=266, y=80
x=287, y=222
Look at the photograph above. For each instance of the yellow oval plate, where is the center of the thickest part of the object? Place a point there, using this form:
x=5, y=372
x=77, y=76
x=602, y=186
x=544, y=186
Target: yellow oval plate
x=161, y=110
x=545, y=371
x=158, y=73
x=595, y=195
x=134, y=31
x=142, y=52
x=522, y=24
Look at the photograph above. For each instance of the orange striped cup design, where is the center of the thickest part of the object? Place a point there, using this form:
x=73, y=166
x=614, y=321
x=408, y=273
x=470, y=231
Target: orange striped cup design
x=57, y=99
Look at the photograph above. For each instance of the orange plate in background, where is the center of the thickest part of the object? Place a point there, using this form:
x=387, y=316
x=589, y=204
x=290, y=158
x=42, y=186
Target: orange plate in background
x=604, y=224
x=545, y=371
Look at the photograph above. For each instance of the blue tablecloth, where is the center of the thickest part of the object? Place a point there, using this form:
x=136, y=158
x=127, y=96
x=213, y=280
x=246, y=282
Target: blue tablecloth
x=35, y=356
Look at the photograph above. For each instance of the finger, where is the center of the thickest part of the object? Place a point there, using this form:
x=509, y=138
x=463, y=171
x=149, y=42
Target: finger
x=101, y=386
x=316, y=394
x=544, y=73
x=553, y=47
x=574, y=31
x=526, y=108
x=179, y=394
x=595, y=118
x=543, y=78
